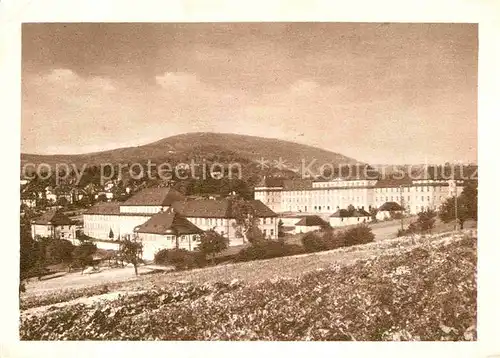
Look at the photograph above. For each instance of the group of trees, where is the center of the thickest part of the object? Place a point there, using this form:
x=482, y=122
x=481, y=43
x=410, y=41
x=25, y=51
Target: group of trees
x=462, y=208
x=329, y=239
x=36, y=255
x=459, y=209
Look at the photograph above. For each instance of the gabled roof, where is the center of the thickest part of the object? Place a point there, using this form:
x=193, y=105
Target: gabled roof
x=270, y=182
x=393, y=183
x=52, y=217
x=311, y=220
x=155, y=197
x=104, y=208
x=343, y=213
x=361, y=213
x=297, y=184
x=390, y=206
x=168, y=223
x=211, y=208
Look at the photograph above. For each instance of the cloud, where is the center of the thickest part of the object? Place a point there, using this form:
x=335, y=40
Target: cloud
x=180, y=81
x=303, y=87
x=67, y=79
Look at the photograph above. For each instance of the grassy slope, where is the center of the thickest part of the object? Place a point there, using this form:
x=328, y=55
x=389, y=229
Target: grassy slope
x=423, y=289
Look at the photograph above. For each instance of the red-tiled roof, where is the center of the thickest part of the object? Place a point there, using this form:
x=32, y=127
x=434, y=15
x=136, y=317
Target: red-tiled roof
x=343, y=213
x=390, y=206
x=393, y=183
x=270, y=182
x=165, y=223
x=311, y=220
x=155, y=197
x=104, y=209
x=53, y=217
x=210, y=208
x=297, y=184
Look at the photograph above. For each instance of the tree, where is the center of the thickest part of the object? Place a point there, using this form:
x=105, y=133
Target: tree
x=131, y=250
x=373, y=213
x=211, y=243
x=359, y=234
x=464, y=207
x=82, y=254
x=60, y=251
x=281, y=231
x=28, y=255
x=62, y=201
x=426, y=220
x=313, y=242
x=246, y=223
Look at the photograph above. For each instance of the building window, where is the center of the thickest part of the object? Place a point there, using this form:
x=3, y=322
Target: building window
x=272, y=232
x=264, y=232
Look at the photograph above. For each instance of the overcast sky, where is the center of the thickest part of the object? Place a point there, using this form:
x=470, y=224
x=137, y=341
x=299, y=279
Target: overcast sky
x=380, y=93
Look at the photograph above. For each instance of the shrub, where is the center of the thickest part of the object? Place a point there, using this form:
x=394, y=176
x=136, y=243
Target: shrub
x=426, y=220
x=395, y=215
x=267, y=249
x=412, y=229
x=426, y=294
x=360, y=234
x=59, y=251
x=181, y=259
x=333, y=240
x=312, y=242
x=212, y=243
x=82, y=254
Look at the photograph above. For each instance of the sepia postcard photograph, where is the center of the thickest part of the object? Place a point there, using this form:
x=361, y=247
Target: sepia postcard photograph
x=248, y=181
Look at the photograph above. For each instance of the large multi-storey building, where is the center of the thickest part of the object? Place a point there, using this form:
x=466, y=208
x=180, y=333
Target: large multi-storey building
x=326, y=197
x=163, y=218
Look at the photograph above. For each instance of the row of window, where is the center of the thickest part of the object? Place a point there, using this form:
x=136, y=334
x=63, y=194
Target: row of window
x=271, y=232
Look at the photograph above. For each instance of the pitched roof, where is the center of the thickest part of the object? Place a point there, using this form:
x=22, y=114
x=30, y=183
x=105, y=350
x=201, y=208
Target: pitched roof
x=168, y=222
x=361, y=213
x=311, y=220
x=297, y=184
x=270, y=182
x=393, y=183
x=155, y=197
x=104, y=209
x=52, y=217
x=390, y=206
x=343, y=213
x=340, y=213
x=210, y=208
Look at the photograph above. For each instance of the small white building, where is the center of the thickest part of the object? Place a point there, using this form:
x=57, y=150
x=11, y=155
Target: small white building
x=310, y=223
x=108, y=222
x=343, y=217
x=167, y=230
x=388, y=209
x=55, y=225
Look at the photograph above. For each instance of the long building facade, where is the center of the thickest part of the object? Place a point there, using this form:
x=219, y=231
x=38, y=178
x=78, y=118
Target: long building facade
x=326, y=197
x=163, y=218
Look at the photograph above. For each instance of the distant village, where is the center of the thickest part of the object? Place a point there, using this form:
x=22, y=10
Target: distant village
x=165, y=218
